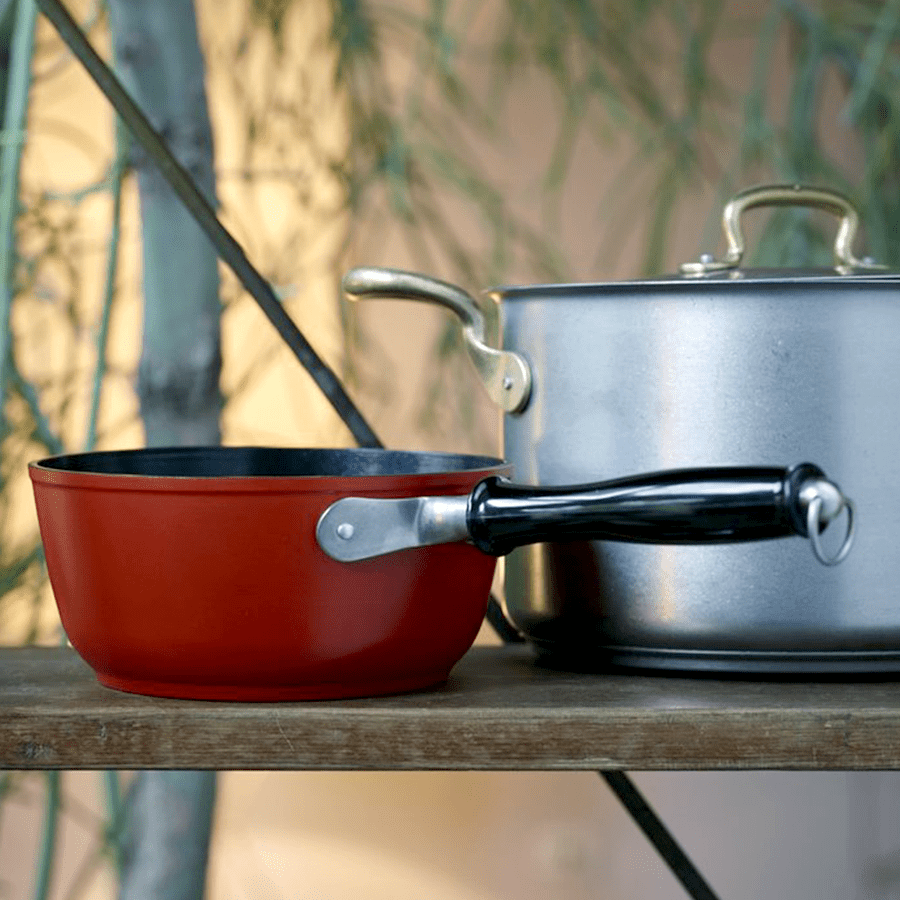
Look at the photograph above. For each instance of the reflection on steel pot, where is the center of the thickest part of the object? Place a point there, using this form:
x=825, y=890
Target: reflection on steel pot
x=719, y=366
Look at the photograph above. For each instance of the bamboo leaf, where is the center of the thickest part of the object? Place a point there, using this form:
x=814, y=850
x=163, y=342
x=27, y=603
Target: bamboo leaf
x=118, y=178
x=873, y=58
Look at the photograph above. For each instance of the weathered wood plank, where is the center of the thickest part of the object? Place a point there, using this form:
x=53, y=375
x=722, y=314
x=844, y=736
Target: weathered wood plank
x=498, y=711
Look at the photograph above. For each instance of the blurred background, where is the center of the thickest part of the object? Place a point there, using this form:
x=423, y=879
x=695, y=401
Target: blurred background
x=480, y=141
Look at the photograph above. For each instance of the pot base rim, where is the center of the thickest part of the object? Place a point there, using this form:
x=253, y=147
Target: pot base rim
x=274, y=693
x=801, y=663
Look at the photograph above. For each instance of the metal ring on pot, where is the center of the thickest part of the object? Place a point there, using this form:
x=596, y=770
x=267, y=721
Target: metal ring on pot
x=814, y=531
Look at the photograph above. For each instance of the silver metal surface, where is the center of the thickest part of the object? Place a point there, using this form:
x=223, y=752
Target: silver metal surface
x=784, y=195
x=641, y=377
x=357, y=528
x=506, y=376
x=831, y=502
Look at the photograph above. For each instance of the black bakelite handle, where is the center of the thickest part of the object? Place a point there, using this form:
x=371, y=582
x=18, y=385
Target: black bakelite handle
x=681, y=506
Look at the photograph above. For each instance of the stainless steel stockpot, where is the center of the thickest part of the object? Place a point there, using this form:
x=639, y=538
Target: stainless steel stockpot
x=718, y=366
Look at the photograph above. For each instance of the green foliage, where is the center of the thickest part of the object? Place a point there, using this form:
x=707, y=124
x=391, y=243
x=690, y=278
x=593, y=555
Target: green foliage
x=853, y=44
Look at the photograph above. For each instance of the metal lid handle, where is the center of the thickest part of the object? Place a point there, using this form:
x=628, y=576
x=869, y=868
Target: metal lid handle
x=785, y=195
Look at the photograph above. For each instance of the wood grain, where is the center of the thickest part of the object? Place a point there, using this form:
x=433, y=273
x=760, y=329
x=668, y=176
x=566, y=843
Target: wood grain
x=500, y=710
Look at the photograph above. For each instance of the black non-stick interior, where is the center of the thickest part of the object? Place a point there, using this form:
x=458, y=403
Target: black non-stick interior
x=223, y=462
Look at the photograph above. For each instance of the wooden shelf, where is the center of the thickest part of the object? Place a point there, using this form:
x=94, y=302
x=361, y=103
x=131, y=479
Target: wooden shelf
x=498, y=711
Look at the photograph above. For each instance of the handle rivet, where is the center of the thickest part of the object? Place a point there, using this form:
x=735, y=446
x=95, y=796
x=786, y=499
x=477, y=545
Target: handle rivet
x=507, y=383
x=345, y=531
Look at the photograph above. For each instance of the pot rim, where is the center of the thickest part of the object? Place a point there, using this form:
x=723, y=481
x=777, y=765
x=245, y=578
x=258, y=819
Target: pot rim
x=119, y=469
x=715, y=281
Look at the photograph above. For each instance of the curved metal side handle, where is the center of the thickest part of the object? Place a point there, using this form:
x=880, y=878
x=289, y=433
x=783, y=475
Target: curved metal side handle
x=785, y=195
x=505, y=375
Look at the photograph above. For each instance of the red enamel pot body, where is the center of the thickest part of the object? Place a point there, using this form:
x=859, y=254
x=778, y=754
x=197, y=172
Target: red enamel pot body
x=195, y=572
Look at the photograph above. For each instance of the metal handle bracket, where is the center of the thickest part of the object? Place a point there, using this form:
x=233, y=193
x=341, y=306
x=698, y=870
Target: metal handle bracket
x=506, y=376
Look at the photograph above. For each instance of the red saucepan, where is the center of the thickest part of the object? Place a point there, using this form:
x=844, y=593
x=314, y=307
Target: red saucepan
x=201, y=573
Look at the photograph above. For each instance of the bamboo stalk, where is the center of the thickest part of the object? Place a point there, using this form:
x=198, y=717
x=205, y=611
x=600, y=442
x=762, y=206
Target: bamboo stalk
x=116, y=814
x=47, y=855
x=15, y=119
x=43, y=431
x=119, y=169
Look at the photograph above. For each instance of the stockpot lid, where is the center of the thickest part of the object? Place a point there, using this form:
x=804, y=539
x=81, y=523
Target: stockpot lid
x=708, y=269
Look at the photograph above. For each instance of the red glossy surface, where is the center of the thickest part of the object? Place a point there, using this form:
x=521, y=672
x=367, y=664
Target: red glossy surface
x=215, y=588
